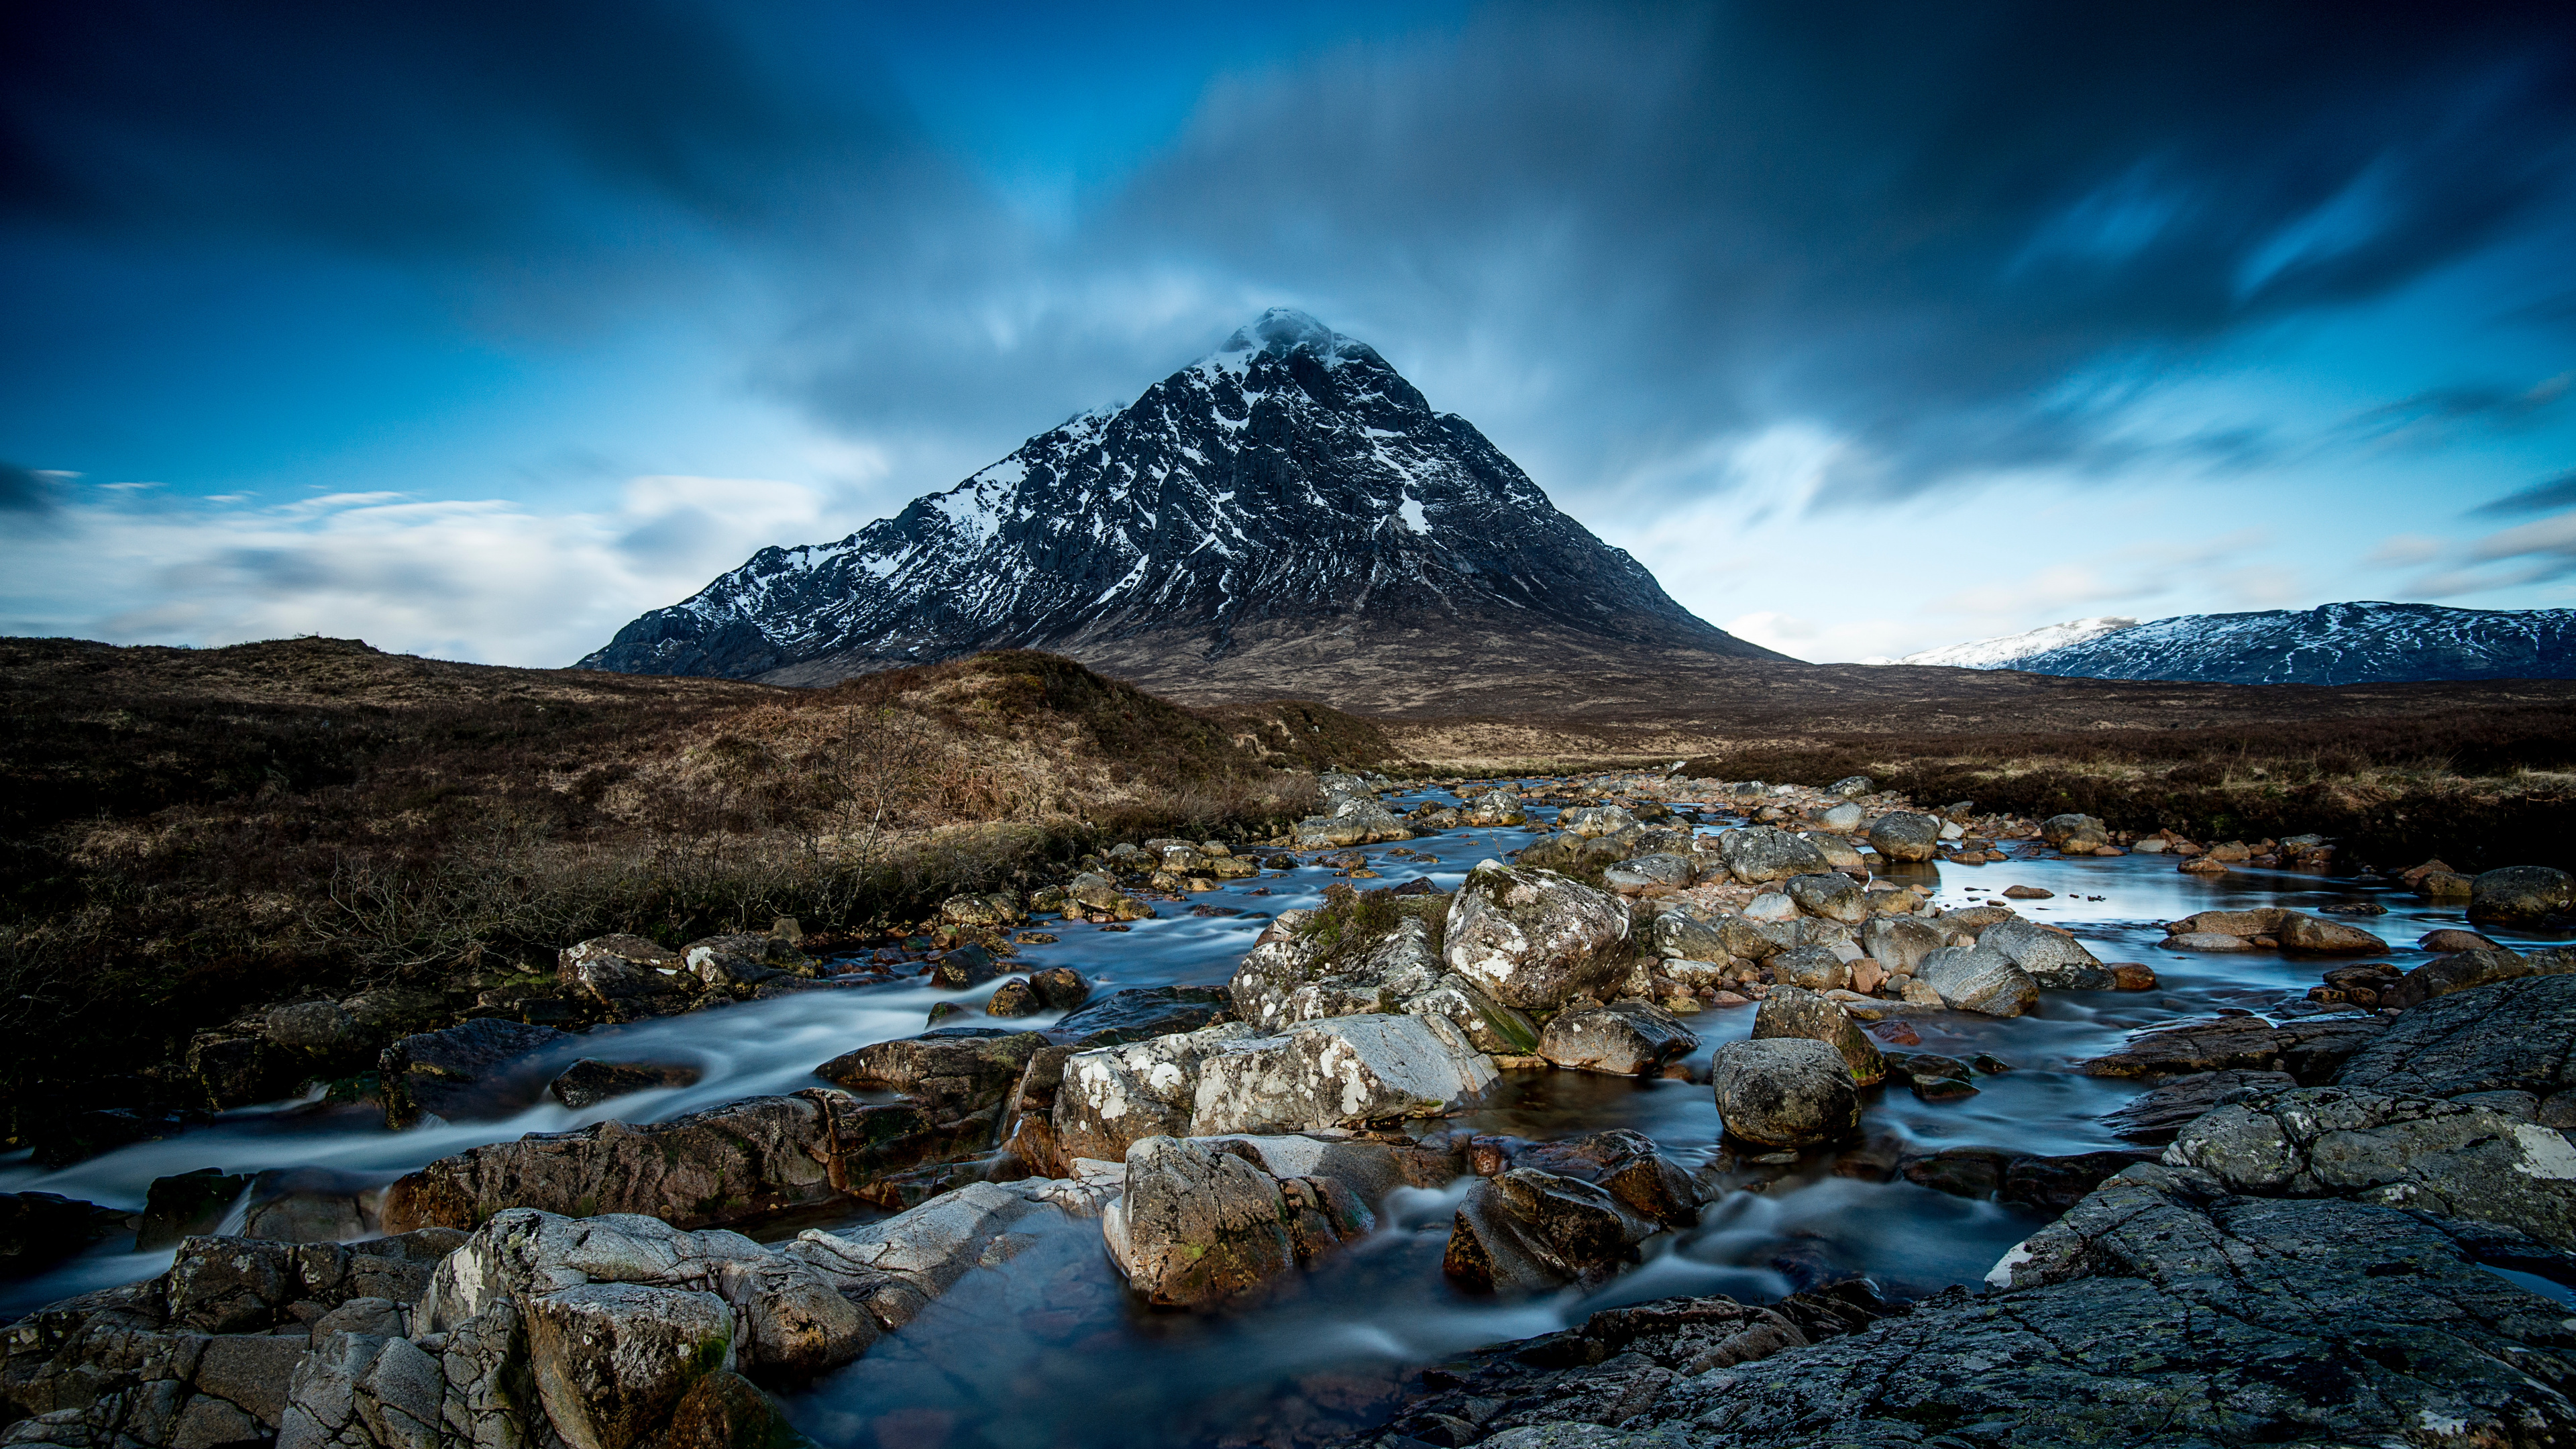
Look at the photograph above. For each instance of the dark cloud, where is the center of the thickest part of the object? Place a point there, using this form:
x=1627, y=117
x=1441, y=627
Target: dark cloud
x=2549, y=497
x=25, y=491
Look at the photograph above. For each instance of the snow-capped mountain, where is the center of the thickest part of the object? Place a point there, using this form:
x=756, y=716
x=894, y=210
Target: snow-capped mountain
x=2001, y=652
x=1287, y=485
x=2358, y=643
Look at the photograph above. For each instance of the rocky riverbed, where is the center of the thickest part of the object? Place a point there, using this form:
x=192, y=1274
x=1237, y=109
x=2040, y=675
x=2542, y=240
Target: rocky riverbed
x=1734, y=1111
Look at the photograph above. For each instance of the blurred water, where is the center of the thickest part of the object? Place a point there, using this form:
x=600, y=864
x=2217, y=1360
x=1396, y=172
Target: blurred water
x=1051, y=1352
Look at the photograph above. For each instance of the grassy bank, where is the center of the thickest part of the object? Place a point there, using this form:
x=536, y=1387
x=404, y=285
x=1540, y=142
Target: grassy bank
x=186, y=834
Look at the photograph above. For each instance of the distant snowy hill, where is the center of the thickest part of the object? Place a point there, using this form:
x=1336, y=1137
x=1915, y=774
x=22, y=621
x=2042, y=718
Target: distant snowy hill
x=2359, y=643
x=1288, y=487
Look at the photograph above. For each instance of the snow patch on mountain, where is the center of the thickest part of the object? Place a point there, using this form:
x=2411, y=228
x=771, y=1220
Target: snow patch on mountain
x=2001, y=651
x=2365, y=642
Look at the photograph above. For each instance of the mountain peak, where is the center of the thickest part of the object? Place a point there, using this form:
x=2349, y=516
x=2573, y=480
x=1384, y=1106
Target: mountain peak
x=1283, y=330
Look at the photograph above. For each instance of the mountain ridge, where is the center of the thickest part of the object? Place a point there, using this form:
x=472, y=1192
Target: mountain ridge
x=2360, y=642
x=1289, y=483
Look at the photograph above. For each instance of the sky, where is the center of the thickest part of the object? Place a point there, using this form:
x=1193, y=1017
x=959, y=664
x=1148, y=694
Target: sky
x=477, y=329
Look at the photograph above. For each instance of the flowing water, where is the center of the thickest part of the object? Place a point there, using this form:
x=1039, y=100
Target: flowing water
x=1049, y=1350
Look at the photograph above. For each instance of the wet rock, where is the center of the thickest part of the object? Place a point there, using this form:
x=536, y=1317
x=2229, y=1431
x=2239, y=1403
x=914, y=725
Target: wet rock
x=484, y=1068
x=1115, y=1096
x=739, y=962
x=968, y=965
x=1627, y=1166
x=2156, y=1116
x=1758, y=854
x=2310, y=1049
x=2299, y=931
x=1788, y=1011
x=2208, y=941
x=1345, y=1072
x=1011, y=998
x=999, y=908
x=622, y=970
x=321, y=1029
x=2517, y=1035
x=724, y=1410
x=894, y=1269
x=2453, y=1159
x=1900, y=944
x=724, y=1164
x=2449, y=940
x=2052, y=958
x=1931, y=1076
x=1140, y=1013
x=1785, y=1092
x=2467, y=970
x=2521, y=895
x=1293, y=973
x=1369, y=1168
x=2239, y=1355
x=2028, y=893
x=1498, y=806
x=309, y=1205
x=1626, y=1039
x=590, y=1081
x=1198, y=1224
x=1975, y=978
x=1099, y=896
x=1533, y=940
x=1837, y=851
x=1060, y=988
x=1813, y=968
x=1489, y=1025
x=2074, y=832
x=951, y=1072
x=1689, y=934
x=612, y=1360
x=187, y=1204
x=1904, y=836
x=1526, y=1231
x=1833, y=896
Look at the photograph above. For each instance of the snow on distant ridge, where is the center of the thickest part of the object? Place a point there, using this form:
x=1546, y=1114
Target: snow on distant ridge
x=2004, y=649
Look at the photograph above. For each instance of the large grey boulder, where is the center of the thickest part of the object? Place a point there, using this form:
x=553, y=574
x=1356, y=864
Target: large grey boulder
x=1833, y=896
x=1594, y=821
x=1625, y=1039
x=1979, y=979
x=2299, y=931
x=1534, y=940
x=620, y=969
x=2074, y=832
x=1900, y=943
x=1689, y=934
x=1815, y=968
x=2521, y=895
x=1759, y=854
x=1198, y=1223
x=1788, y=1011
x=612, y=1360
x=1524, y=1230
x=1903, y=835
x=1664, y=870
x=2456, y=1159
x=2052, y=958
x=1345, y=1072
x=1785, y=1092
x=484, y=1068
x=1115, y=1096
x=1500, y=805
x=951, y=1071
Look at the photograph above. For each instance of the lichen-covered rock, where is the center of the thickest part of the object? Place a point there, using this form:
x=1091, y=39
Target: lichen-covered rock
x=612, y=1360
x=1975, y=978
x=1344, y=1072
x=951, y=1071
x=2155, y=1117
x=620, y=969
x=1625, y=1039
x=2452, y=1158
x=1788, y=1011
x=1665, y=870
x=1759, y=854
x=1903, y=835
x=1593, y=821
x=1900, y=944
x=2300, y=931
x=1534, y=940
x=589, y=1081
x=1833, y=896
x=2517, y=1035
x=2074, y=832
x=1785, y=1092
x=1113, y=1097
x=1141, y=1013
x=1527, y=1231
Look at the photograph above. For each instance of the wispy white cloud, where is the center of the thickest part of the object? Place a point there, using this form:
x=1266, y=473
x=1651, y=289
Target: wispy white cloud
x=481, y=578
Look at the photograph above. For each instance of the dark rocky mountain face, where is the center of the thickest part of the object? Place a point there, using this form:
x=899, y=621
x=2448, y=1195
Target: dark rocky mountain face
x=2359, y=643
x=1290, y=485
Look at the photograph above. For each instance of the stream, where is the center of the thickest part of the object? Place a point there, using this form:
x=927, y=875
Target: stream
x=1050, y=1351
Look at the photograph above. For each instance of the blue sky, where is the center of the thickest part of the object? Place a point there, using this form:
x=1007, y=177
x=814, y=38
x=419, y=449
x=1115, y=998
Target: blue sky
x=478, y=331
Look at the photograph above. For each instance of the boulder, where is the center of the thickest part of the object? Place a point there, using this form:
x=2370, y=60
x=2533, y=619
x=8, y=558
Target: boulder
x=2300, y=931
x=740, y=961
x=612, y=1360
x=1592, y=821
x=1689, y=934
x=1785, y=1092
x=2449, y=939
x=2052, y=958
x=1838, y=852
x=1498, y=806
x=589, y=1081
x=2454, y=1159
x=321, y=1029
x=1901, y=944
x=1664, y=871
x=1198, y=1223
x=894, y=1269
x=1979, y=979
x=2212, y=941
x=187, y=1204
x=1841, y=819
x=1524, y=1230
x=1758, y=854
x=999, y=908
x=1851, y=785
x=2154, y=1117
x=1905, y=836
x=1345, y=1072
x=1534, y=940
x=1114, y=1096
x=485, y=1068
x=1815, y=968
x=1789, y=1012
x=1625, y=1039
x=2517, y=1035
x=724, y=1410
x=622, y=970
x=2521, y=895
x=1140, y=1013
x=1833, y=896
x=2310, y=1049
x=2466, y=970
x=951, y=1072
x=2074, y=832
